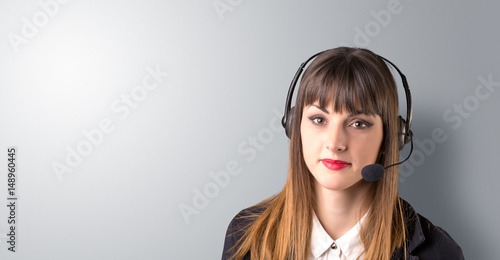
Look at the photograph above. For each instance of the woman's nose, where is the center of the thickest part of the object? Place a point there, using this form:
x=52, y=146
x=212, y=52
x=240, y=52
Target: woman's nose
x=337, y=139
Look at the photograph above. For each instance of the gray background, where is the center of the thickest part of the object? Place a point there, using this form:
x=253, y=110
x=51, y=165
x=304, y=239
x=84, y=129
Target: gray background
x=229, y=73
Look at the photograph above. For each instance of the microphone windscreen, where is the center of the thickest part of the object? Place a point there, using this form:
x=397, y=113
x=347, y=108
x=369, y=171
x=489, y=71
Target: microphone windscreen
x=373, y=172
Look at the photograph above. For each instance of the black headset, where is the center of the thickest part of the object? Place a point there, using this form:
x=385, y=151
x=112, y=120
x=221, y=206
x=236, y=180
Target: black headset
x=405, y=134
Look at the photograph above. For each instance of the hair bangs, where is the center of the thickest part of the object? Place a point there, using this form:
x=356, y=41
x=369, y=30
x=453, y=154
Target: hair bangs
x=348, y=90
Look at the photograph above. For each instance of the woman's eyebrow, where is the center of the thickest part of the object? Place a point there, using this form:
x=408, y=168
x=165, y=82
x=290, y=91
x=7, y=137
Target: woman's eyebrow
x=355, y=113
x=321, y=108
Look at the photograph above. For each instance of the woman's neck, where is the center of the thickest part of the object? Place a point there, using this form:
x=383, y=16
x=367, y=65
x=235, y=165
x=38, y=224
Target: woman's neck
x=339, y=211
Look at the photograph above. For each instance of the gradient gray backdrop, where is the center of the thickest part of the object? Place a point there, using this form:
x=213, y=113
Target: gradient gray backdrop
x=230, y=64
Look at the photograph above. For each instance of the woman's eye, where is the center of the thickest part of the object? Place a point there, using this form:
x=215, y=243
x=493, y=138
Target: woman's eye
x=318, y=120
x=360, y=124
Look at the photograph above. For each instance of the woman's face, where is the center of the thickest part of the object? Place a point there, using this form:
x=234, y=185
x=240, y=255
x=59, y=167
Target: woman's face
x=336, y=146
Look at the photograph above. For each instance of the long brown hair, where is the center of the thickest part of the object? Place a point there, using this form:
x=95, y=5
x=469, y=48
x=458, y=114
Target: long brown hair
x=351, y=78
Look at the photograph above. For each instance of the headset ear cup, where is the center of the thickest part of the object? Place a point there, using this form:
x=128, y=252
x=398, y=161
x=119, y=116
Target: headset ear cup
x=403, y=140
x=289, y=122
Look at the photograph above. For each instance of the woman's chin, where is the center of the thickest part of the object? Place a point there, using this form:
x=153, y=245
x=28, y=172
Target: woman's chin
x=337, y=184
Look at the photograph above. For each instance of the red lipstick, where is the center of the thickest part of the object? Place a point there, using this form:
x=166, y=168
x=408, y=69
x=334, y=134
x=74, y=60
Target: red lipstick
x=334, y=164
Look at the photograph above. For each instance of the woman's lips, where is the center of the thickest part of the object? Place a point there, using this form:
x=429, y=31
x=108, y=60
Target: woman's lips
x=334, y=164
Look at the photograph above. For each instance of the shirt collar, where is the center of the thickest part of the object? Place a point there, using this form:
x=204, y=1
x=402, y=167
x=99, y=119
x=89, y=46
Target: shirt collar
x=350, y=244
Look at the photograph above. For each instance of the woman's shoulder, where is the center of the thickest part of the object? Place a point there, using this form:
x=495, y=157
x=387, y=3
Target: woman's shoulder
x=437, y=242
x=243, y=219
x=238, y=226
x=428, y=241
x=254, y=210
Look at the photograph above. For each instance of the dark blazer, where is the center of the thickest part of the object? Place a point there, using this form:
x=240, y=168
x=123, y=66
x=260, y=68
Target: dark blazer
x=427, y=241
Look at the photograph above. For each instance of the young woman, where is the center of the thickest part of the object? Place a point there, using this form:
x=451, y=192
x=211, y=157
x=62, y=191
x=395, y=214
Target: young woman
x=345, y=118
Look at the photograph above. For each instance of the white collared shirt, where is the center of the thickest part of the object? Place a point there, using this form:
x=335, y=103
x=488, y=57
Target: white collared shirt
x=347, y=247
